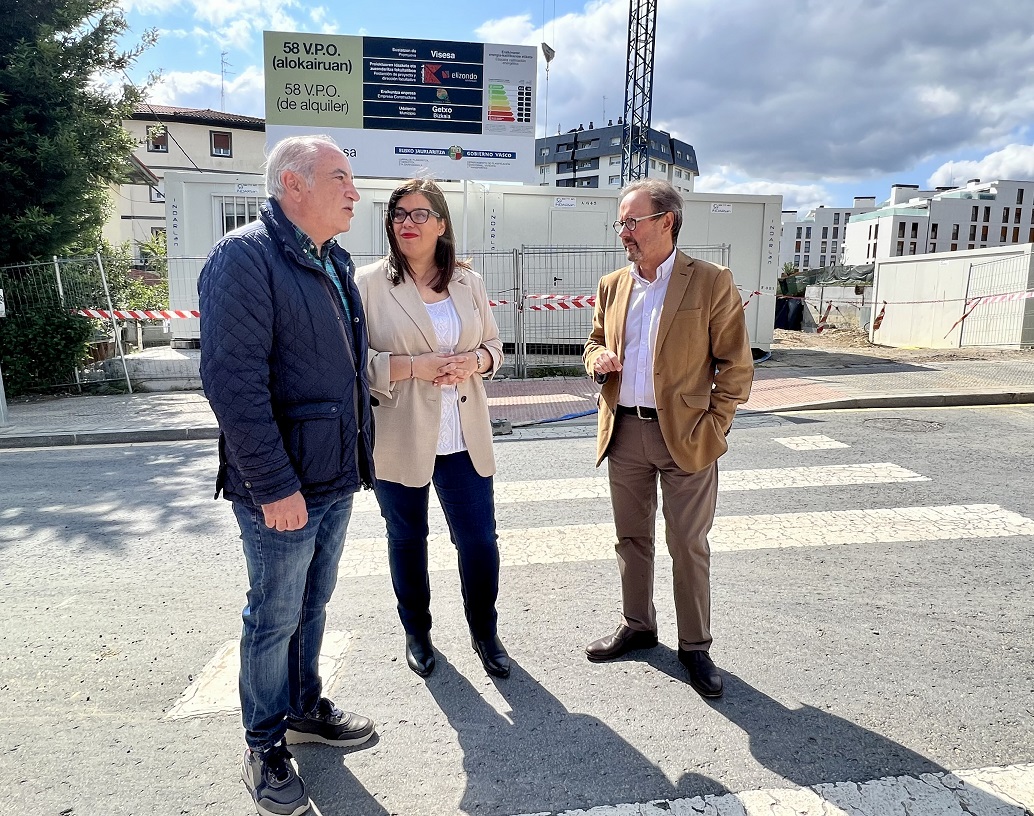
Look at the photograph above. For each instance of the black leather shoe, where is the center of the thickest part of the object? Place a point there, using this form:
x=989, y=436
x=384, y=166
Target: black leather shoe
x=623, y=640
x=703, y=674
x=493, y=655
x=420, y=654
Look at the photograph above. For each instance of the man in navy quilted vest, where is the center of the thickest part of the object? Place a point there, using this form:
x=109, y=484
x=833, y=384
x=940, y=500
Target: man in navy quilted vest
x=283, y=361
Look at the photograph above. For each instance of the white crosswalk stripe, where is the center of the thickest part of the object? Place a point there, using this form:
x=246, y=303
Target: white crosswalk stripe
x=998, y=791
x=595, y=542
x=816, y=442
x=595, y=487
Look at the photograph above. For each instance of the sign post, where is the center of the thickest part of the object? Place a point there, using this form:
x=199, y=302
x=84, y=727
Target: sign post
x=3, y=395
x=402, y=108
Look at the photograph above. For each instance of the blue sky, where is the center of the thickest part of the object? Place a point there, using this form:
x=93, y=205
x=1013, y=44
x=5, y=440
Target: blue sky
x=816, y=101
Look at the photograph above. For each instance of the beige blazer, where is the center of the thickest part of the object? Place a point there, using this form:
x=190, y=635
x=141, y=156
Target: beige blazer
x=409, y=413
x=701, y=329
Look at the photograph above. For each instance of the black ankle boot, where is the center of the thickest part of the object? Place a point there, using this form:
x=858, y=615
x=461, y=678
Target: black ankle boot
x=420, y=654
x=493, y=655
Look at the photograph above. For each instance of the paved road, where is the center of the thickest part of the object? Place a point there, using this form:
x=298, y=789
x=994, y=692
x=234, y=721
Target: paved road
x=873, y=609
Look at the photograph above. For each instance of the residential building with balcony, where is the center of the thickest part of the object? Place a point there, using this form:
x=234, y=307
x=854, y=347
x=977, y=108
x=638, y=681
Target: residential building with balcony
x=948, y=219
x=591, y=158
x=817, y=240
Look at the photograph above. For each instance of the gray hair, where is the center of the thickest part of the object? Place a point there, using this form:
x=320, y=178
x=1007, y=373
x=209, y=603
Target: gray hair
x=297, y=154
x=665, y=198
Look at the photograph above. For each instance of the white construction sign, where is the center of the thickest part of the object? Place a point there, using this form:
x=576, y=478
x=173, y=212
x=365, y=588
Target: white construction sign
x=400, y=108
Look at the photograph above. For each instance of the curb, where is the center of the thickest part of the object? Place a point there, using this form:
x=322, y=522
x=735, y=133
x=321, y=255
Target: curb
x=954, y=400
x=108, y=437
x=503, y=428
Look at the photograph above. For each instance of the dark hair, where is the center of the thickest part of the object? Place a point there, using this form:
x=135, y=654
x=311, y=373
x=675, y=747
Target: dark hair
x=445, y=249
x=665, y=198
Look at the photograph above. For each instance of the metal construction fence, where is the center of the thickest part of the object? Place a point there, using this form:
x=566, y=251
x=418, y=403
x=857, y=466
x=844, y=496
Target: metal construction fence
x=542, y=299
x=68, y=285
x=1000, y=303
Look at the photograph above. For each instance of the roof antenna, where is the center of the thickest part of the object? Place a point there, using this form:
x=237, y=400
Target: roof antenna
x=223, y=73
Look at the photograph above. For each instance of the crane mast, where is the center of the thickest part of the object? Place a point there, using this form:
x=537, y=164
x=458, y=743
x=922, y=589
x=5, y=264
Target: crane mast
x=642, y=26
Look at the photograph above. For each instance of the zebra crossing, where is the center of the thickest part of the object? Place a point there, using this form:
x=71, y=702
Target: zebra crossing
x=365, y=556
x=995, y=791
x=991, y=791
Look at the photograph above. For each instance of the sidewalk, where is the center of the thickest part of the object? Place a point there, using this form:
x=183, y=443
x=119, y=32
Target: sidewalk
x=793, y=379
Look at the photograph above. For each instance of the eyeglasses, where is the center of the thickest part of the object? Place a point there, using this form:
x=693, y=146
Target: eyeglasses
x=629, y=223
x=418, y=216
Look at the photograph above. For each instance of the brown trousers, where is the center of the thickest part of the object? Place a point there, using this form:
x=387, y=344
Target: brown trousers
x=637, y=455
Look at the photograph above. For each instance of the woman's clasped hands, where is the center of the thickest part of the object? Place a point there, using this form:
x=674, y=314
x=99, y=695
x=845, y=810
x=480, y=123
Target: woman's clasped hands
x=445, y=369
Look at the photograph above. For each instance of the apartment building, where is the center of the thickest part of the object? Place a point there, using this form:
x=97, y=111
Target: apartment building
x=948, y=219
x=591, y=158
x=817, y=240
x=171, y=138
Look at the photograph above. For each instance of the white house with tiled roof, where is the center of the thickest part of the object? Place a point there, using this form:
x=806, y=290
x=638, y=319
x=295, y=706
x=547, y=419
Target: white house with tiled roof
x=171, y=138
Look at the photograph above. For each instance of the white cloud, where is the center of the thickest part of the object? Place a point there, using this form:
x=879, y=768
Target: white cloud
x=939, y=101
x=245, y=94
x=517, y=30
x=803, y=94
x=1015, y=161
x=320, y=18
x=804, y=90
x=143, y=6
x=795, y=196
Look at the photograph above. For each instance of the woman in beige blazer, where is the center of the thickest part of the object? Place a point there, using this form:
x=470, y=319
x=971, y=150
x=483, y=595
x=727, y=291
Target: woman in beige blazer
x=432, y=338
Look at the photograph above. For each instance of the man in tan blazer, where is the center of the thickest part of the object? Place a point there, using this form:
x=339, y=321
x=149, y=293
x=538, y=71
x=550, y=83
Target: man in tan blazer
x=669, y=345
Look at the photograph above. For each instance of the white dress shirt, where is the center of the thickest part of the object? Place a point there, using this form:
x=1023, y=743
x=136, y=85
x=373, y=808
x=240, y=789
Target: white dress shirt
x=641, y=322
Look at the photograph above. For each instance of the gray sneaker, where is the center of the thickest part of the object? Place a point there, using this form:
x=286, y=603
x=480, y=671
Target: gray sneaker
x=272, y=779
x=330, y=725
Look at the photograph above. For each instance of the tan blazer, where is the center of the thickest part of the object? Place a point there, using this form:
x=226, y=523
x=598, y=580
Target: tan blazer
x=409, y=413
x=701, y=328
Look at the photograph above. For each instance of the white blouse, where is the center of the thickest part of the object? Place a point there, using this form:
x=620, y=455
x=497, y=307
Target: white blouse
x=446, y=322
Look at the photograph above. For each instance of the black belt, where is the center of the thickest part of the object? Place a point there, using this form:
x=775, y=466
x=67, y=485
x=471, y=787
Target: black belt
x=638, y=411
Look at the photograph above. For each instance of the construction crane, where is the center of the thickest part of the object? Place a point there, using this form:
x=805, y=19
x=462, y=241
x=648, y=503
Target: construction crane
x=642, y=25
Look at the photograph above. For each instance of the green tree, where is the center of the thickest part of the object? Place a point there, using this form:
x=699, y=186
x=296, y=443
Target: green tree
x=31, y=365
x=126, y=280
x=63, y=95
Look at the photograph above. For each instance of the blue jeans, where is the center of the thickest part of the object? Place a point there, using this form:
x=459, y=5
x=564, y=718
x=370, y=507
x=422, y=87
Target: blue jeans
x=292, y=576
x=467, y=499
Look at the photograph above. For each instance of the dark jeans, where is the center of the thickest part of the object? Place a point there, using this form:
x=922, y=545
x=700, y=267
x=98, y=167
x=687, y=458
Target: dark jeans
x=292, y=575
x=467, y=500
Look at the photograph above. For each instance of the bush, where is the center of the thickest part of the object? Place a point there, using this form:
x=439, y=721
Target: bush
x=41, y=348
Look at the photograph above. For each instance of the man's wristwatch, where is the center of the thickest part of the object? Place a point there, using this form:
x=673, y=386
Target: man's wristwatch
x=480, y=360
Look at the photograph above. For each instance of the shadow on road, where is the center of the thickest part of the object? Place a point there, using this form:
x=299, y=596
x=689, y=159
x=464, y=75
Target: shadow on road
x=544, y=758
x=333, y=788
x=811, y=747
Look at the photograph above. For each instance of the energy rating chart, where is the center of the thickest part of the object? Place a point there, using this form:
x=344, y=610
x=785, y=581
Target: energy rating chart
x=463, y=110
x=508, y=103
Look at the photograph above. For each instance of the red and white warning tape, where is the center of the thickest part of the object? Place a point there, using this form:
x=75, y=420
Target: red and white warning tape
x=138, y=314
x=990, y=299
x=563, y=303
x=822, y=323
x=879, y=318
x=1002, y=298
